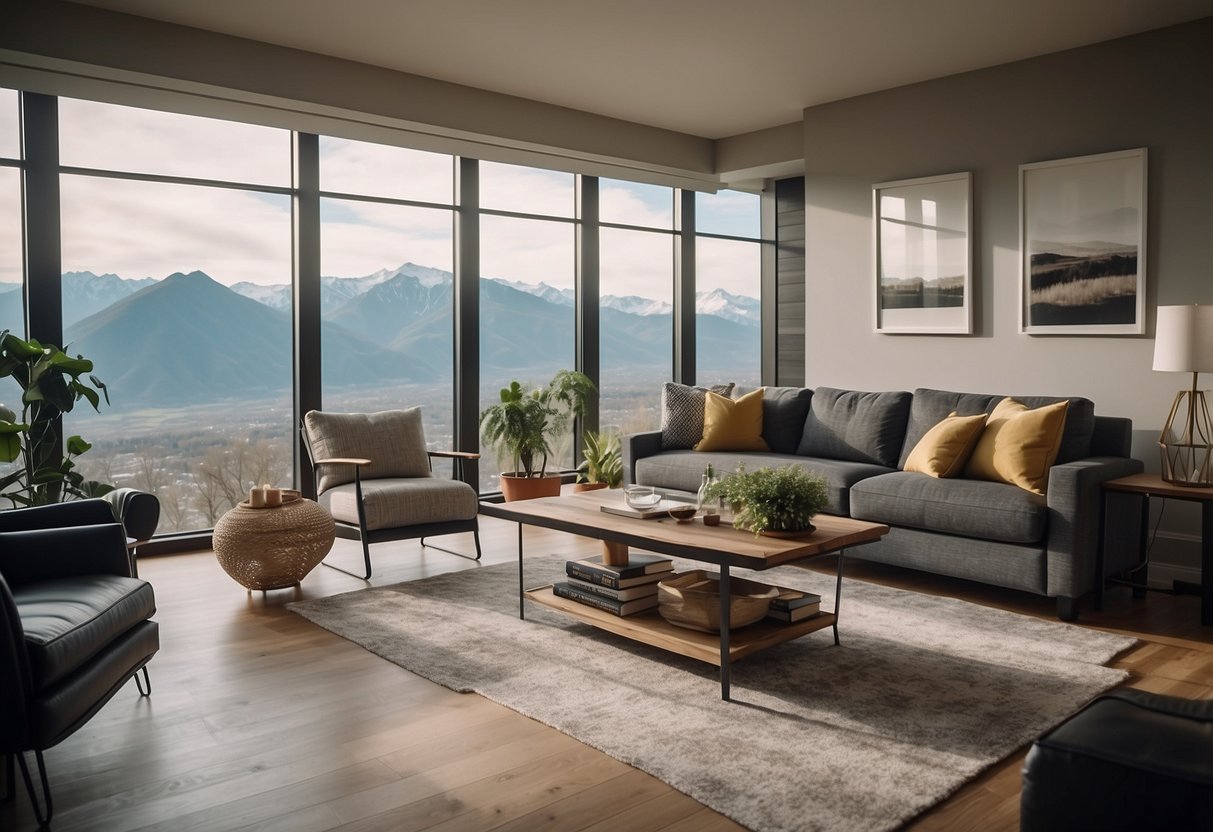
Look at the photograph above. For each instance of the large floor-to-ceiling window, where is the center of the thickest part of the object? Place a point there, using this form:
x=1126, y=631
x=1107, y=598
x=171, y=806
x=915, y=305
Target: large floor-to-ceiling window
x=636, y=281
x=387, y=281
x=176, y=251
x=527, y=275
x=11, y=256
x=728, y=286
x=179, y=237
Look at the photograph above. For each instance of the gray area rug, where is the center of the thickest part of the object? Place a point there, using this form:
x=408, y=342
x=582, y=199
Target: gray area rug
x=922, y=695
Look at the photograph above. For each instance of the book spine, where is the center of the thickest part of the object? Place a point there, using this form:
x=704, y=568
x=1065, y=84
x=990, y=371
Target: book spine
x=588, y=598
x=626, y=594
x=795, y=603
x=592, y=576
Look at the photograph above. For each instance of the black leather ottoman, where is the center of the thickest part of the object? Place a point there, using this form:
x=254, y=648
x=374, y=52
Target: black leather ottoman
x=1130, y=760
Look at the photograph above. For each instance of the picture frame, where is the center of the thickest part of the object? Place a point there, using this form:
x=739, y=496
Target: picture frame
x=1082, y=245
x=923, y=255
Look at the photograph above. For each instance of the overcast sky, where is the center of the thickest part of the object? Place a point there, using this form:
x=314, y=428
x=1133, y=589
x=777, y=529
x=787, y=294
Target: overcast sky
x=151, y=229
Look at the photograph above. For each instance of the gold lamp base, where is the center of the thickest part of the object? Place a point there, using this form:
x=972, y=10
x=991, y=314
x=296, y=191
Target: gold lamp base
x=1185, y=447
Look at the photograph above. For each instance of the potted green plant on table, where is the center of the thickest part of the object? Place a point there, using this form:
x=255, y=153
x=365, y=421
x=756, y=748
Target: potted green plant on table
x=602, y=462
x=522, y=425
x=51, y=385
x=777, y=502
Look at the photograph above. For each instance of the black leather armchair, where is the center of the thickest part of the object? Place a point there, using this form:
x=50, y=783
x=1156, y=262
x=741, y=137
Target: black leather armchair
x=74, y=628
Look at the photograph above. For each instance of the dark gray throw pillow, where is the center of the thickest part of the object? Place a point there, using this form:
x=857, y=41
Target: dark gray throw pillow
x=682, y=413
x=855, y=426
x=784, y=410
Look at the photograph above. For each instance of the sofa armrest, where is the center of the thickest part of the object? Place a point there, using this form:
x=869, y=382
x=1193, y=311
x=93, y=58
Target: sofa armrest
x=57, y=515
x=1073, y=497
x=137, y=511
x=637, y=446
x=46, y=554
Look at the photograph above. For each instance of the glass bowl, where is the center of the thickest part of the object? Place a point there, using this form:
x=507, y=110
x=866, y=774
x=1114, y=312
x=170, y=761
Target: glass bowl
x=641, y=496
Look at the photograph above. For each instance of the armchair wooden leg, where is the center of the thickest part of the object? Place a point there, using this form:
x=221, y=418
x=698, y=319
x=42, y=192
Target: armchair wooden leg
x=43, y=821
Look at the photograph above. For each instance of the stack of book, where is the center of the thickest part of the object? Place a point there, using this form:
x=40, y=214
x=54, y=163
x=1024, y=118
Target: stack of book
x=793, y=605
x=620, y=590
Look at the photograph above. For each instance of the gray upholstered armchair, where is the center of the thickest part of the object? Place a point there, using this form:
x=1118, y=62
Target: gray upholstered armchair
x=374, y=475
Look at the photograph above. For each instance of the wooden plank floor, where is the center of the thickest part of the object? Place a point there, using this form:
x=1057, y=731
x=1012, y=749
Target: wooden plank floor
x=260, y=720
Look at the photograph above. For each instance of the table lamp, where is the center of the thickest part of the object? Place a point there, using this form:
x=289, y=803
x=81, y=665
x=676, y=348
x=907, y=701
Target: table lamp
x=1183, y=343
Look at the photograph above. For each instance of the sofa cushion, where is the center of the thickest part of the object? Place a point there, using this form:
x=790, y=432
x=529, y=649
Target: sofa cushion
x=783, y=413
x=393, y=440
x=855, y=426
x=682, y=413
x=392, y=503
x=683, y=471
x=945, y=448
x=972, y=508
x=732, y=424
x=67, y=621
x=1018, y=445
x=930, y=406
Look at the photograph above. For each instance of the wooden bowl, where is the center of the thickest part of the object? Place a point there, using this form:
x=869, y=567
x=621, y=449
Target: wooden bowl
x=692, y=600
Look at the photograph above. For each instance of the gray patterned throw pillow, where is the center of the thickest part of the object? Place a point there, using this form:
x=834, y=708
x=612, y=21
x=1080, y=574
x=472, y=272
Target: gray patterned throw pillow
x=682, y=413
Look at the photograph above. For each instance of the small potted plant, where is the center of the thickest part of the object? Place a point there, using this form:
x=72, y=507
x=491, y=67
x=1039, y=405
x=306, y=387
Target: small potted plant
x=602, y=463
x=521, y=426
x=777, y=502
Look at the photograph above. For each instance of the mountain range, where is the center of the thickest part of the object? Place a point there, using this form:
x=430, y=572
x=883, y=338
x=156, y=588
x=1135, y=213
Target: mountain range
x=188, y=338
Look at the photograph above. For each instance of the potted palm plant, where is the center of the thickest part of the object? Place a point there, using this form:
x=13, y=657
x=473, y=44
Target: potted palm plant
x=602, y=463
x=521, y=426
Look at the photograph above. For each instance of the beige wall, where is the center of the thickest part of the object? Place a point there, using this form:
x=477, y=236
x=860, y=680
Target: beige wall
x=1153, y=90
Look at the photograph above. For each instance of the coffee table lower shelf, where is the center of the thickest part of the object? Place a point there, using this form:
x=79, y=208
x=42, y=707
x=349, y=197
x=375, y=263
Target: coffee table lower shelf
x=650, y=628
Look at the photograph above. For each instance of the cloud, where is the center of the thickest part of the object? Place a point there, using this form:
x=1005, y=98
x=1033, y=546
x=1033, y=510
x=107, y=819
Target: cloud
x=732, y=265
x=10, y=226
x=152, y=229
x=113, y=137
x=352, y=167
x=359, y=238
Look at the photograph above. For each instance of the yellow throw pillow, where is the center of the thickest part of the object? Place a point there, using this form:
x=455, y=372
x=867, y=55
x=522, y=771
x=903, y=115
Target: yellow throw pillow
x=945, y=448
x=732, y=424
x=1019, y=445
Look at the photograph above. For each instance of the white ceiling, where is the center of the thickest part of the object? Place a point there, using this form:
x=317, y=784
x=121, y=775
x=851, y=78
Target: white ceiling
x=709, y=68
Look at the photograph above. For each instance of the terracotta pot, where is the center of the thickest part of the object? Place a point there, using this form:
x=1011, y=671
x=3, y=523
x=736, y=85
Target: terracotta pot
x=514, y=487
x=588, y=486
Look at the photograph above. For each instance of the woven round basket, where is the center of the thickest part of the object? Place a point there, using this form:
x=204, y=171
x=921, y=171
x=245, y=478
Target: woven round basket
x=272, y=548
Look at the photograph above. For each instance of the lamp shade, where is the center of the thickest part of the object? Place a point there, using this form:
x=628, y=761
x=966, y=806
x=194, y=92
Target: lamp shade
x=1183, y=340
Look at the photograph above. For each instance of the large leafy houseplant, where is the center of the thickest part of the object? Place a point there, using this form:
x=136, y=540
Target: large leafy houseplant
x=780, y=500
x=51, y=385
x=523, y=423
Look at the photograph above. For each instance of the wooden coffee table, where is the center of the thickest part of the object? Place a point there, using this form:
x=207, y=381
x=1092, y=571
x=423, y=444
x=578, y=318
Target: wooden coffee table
x=722, y=545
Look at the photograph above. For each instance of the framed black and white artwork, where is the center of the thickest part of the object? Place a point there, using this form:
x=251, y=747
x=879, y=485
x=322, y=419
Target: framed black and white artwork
x=1082, y=245
x=923, y=254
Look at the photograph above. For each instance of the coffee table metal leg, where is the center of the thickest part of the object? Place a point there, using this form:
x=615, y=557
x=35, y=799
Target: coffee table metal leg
x=838, y=594
x=724, y=632
x=521, y=588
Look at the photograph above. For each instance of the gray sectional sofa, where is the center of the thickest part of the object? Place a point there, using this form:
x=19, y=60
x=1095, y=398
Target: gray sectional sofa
x=978, y=530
